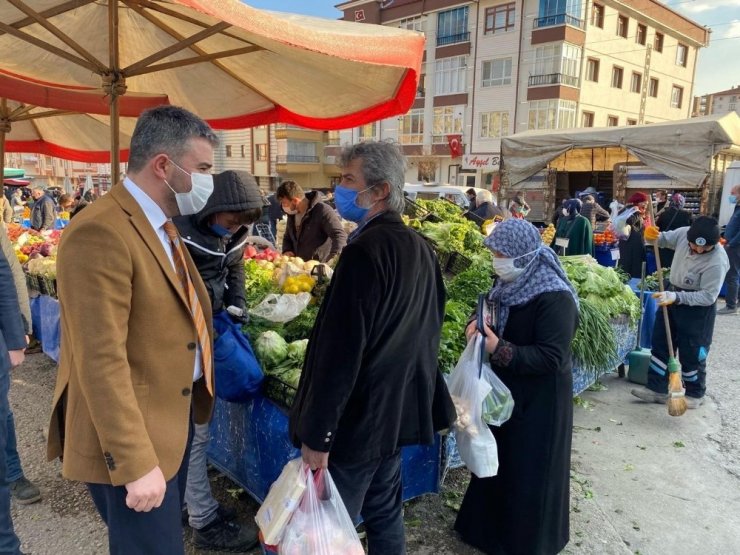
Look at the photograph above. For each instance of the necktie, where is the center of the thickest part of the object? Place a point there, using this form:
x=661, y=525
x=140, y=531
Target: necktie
x=196, y=311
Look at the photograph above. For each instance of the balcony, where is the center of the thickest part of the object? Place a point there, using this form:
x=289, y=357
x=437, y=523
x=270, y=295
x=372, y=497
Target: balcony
x=297, y=159
x=552, y=79
x=558, y=19
x=446, y=40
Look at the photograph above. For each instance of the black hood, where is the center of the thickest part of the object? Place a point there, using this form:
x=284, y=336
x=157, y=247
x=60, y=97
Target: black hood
x=233, y=191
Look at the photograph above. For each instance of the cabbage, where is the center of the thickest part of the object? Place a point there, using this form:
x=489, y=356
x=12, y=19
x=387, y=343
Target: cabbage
x=297, y=350
x=271, y=349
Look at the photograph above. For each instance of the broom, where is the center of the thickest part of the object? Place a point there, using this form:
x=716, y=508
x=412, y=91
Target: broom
x=676, y=393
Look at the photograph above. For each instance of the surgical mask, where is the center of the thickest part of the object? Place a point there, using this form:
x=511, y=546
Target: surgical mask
x=221, y=231
x=290, y=211
x=565, y=211
x=201, y=188
x=732, y=199
x=346, y=202
x=505, y=269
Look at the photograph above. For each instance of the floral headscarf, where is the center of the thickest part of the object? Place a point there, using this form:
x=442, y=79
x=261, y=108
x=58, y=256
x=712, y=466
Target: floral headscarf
x=520, y=240
x=677, y=201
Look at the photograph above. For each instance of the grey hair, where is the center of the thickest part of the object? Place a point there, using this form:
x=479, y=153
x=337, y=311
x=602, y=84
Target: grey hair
x=382, y=162
x=165, y=129
x=483, y=196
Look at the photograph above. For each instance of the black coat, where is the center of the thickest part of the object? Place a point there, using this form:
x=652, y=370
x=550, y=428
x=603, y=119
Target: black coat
x=220, y=262
x=668, y=220
x=370, y=381
x=524, y=509
x=321, y=236
x=632, y=249
x=43, y=213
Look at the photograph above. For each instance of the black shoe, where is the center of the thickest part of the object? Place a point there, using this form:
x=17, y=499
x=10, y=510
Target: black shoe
x=221, y=535
x=24, y=491
x=224, y=513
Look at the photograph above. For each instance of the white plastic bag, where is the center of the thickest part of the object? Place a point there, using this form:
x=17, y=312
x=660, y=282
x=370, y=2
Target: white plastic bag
x=469, y=388
x=499, y=403
x=619, y=224
x=282, y=501
x=281, y=308
x=321, y=524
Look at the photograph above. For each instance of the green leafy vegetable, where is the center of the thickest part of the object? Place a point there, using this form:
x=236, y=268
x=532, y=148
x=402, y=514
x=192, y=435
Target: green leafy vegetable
x=271, y=349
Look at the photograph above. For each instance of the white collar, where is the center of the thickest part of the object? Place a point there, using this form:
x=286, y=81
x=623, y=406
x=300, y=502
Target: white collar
x=152, y=211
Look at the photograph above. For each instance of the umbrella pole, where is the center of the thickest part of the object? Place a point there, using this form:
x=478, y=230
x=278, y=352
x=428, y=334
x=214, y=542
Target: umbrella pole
x=117, y=87
x=4, y=128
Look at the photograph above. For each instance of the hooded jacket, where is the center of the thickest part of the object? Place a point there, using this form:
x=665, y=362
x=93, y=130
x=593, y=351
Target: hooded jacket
x=220, y=260
x=321, y=236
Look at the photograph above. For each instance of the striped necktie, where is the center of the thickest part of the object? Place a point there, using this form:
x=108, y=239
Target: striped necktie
x=196, y=311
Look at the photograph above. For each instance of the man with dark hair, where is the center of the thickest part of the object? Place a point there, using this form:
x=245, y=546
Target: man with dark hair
x=314, y=231
x=661, y=200
x=364, y=393
x=43, y=212
x=216, y=238
x=136, y=357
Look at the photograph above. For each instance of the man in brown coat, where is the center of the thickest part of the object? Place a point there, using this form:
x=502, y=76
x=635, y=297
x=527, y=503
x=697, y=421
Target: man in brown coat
x=135, y=359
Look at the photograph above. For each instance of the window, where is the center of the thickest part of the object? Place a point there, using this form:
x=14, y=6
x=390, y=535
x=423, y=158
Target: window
x=421, y=87
x=243, y=151
x=500, y=18
x=653, y=87
x=623, y=24
x=450, y=74
x=367, y=132
x=228, y=151
x=592, y=70
x=494, y=125
x=597, y=20
x=658, y=42
x=559, y=12
x=552, y=114
x=682, y=54
x=587, y=119
x=411, y=128
x=631, y=121
x=302, y=151
x=676, y=96
x=612, y=121
x=641, y=35
x=617, y=75
x=447, y=120
x=556, y=64
x=496, y=73
x=260, y=152
x=636, y=83
x=452, y=26
x=417, y=24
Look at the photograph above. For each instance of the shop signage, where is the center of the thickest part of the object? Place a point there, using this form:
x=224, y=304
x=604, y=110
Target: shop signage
x=487, y=162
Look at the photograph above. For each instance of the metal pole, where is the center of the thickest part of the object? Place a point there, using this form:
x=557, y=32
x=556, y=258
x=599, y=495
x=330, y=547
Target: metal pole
x=116, y=82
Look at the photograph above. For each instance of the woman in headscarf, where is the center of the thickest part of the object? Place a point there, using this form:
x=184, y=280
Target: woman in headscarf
x=673, y=217
x=534, y=315
x=518, y=208
x=632, y=247
x=574, y=234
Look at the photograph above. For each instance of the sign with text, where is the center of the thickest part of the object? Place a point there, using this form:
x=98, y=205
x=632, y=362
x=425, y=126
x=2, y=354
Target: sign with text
x=485, y=162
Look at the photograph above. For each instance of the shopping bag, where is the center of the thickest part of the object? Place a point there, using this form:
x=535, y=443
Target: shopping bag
x=499, y=403
x=282, y=501
x=321, y=524
x=469, y=388
x=237, y=371
x=619, y=224
x=281, y=308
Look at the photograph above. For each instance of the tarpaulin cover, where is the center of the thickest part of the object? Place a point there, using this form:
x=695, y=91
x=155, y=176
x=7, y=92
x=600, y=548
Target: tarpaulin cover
x=250, y=444
x=682, y=150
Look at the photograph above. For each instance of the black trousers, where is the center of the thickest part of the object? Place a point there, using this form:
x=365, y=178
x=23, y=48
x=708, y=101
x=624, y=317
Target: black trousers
x=158, y=532
x=372, y=489
x=692, y=328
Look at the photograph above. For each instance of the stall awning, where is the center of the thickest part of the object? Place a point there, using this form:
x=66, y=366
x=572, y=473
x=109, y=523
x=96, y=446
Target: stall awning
x=13, y=172
x=681, y=149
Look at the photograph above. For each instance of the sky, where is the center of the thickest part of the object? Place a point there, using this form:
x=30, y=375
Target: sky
x=719, y=65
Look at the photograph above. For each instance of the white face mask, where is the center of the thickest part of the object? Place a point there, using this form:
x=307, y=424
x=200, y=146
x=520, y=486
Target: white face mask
x=505, y=269
x=201, y=188
x=565, y=211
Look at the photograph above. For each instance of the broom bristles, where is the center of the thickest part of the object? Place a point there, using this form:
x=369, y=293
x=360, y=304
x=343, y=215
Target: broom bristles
x=676, y=395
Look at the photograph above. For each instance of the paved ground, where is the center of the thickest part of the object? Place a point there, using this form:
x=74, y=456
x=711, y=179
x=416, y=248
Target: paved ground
x=643, y=482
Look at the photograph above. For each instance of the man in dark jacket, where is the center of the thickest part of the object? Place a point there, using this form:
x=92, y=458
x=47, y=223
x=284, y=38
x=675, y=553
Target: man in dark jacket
x=216, y=238
x=364, y=392
x=43, y=213
x=314, y=230
x=732, y=248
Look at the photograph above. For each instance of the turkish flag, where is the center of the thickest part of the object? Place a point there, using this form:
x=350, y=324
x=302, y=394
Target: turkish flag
x=455, y=144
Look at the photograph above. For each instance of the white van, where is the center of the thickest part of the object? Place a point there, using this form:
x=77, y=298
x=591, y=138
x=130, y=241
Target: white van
x=432, y=191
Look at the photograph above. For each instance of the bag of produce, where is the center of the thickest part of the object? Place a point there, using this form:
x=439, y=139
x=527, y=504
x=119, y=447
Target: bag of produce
x=281, y=308
x=619, y=224
x=281, y=501
x=238, y=372
x=469, y=387
x=321, y=524
x=498, y=404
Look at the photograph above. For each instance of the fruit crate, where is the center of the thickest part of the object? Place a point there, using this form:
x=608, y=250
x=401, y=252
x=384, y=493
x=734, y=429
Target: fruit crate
x=457, y=263
x=47, y=286
x=413, y=210
x=32, y=282
x=279, y=392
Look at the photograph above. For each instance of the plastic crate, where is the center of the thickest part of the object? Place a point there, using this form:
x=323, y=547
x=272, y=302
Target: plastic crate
x=457, y=263
x=279, y=392
x=47, y=286
x=413, y=210
x=32, y=282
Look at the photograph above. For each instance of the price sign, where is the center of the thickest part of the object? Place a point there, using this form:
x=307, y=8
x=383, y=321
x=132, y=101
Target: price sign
x=562, y=242
x=615, y=254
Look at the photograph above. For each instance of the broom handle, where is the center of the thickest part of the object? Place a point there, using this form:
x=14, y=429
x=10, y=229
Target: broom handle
x=660, y=284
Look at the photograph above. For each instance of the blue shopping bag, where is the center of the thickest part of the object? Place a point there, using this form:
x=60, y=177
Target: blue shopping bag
x=238, y=372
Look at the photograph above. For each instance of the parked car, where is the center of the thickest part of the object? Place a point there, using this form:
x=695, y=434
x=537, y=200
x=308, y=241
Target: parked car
x=431, y=191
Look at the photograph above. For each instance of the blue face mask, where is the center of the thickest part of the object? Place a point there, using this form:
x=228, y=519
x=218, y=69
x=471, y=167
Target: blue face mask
x=221, y=231
x=346, y=202
x=732, y=199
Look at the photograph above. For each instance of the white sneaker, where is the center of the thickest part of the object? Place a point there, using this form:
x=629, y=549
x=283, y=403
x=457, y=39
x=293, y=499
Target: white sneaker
x=694, y=402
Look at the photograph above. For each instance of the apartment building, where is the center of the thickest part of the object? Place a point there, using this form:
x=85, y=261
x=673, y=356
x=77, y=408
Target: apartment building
x=717, y=103
x=55, y=172
x=492, y=68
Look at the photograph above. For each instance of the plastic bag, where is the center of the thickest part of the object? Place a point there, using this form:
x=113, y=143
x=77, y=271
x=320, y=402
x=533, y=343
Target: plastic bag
x=499, y=403
x=619, y=223
x=469, y=387
x=238, y=372
x=281, y=308
x=321, y=524
x=282, y=501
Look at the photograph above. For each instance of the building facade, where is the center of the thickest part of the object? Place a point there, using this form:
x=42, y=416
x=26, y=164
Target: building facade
x=717, y=103
x=55, y=172
x=493, y=68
